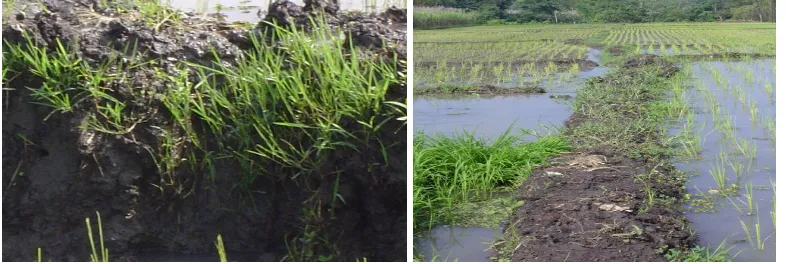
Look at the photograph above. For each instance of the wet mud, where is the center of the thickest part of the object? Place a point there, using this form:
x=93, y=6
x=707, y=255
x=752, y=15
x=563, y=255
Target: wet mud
x=56, y=174
x=588, y=207
x=616, y=50
x=727, y=55
x=480, y=89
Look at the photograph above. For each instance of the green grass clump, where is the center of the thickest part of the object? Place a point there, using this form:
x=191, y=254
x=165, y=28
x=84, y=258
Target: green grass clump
x=700, y=254
x=287, y=107
x=444, y=18
x=280, y=112
x=450, y=171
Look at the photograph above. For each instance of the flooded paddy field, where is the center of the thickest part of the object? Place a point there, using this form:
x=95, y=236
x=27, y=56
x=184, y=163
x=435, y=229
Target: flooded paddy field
x=474, y=98
x=255, y=10
x=728, y=135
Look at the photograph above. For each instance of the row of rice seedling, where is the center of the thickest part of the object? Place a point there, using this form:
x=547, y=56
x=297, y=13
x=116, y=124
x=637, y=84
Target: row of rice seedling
x=735, y=160
x=497, y=52
x=709, y=40
x=507, y=75
x=517, y=33
x=444, y=18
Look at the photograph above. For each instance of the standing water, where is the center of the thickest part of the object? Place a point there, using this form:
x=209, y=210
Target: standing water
x=735, y=119
x=447, y=243
x=490, y=116
x=249, y=11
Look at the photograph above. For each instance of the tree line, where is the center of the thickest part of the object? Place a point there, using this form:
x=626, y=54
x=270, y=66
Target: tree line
x=614, y=11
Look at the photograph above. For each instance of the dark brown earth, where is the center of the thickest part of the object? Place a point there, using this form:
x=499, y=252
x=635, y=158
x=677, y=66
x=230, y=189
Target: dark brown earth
x=574, y=41
x=591, y=211
x=482, y=89
x=616, y=50
x=55, y=175
x=728, y=55
x=665, y=68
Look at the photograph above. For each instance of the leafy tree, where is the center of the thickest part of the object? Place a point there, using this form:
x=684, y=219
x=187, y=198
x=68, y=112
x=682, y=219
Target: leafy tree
x=627, y=11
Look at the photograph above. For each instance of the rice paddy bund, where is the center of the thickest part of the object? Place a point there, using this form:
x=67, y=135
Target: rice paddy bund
x=533, y=137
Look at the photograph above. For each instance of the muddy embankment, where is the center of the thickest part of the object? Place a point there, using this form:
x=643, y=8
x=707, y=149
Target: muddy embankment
x=616, y=197
x=56, y=173
x=562, y=64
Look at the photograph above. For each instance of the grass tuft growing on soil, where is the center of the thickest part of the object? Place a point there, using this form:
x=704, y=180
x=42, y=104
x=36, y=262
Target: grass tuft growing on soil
x=288, y=107
x=451, y=171
x=281, y=112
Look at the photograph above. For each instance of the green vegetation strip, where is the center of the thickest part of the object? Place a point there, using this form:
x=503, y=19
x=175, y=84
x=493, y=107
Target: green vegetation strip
x=278, y=112
x=444, y=18
x=450, y=172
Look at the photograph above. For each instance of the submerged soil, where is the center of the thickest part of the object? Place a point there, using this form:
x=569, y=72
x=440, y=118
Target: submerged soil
x=479, y=89
x=727, y=55
x=592, y=204
x=55, y=174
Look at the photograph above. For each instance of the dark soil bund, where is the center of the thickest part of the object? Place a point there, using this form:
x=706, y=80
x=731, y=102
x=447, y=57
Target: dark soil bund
x=64, y=174
x=567, y=41
x=728, y=55
x=481, y=89
x=562, y=64
x=591, y=204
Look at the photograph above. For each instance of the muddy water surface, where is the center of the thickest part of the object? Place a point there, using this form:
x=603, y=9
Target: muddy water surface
x=251, y=10
x=491, y=115
x=464, y=244
x=488, y=116
x=715, y=227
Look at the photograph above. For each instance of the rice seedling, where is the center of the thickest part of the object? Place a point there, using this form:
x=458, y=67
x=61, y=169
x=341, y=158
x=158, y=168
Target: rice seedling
x=769, y=89
x=94, y=256
x=772, y=213
x=718, y=172
x=758, y=243
x=745, y=147
x=222, y=255
x=753, y=111
x=749, y=197
x=748, y=76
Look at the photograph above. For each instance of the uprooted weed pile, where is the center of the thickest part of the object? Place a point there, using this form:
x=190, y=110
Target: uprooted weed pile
x=287, y=140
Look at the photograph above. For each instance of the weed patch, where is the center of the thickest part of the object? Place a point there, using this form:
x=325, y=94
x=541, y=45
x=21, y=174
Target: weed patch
x=454, y=171
x=194, y=128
